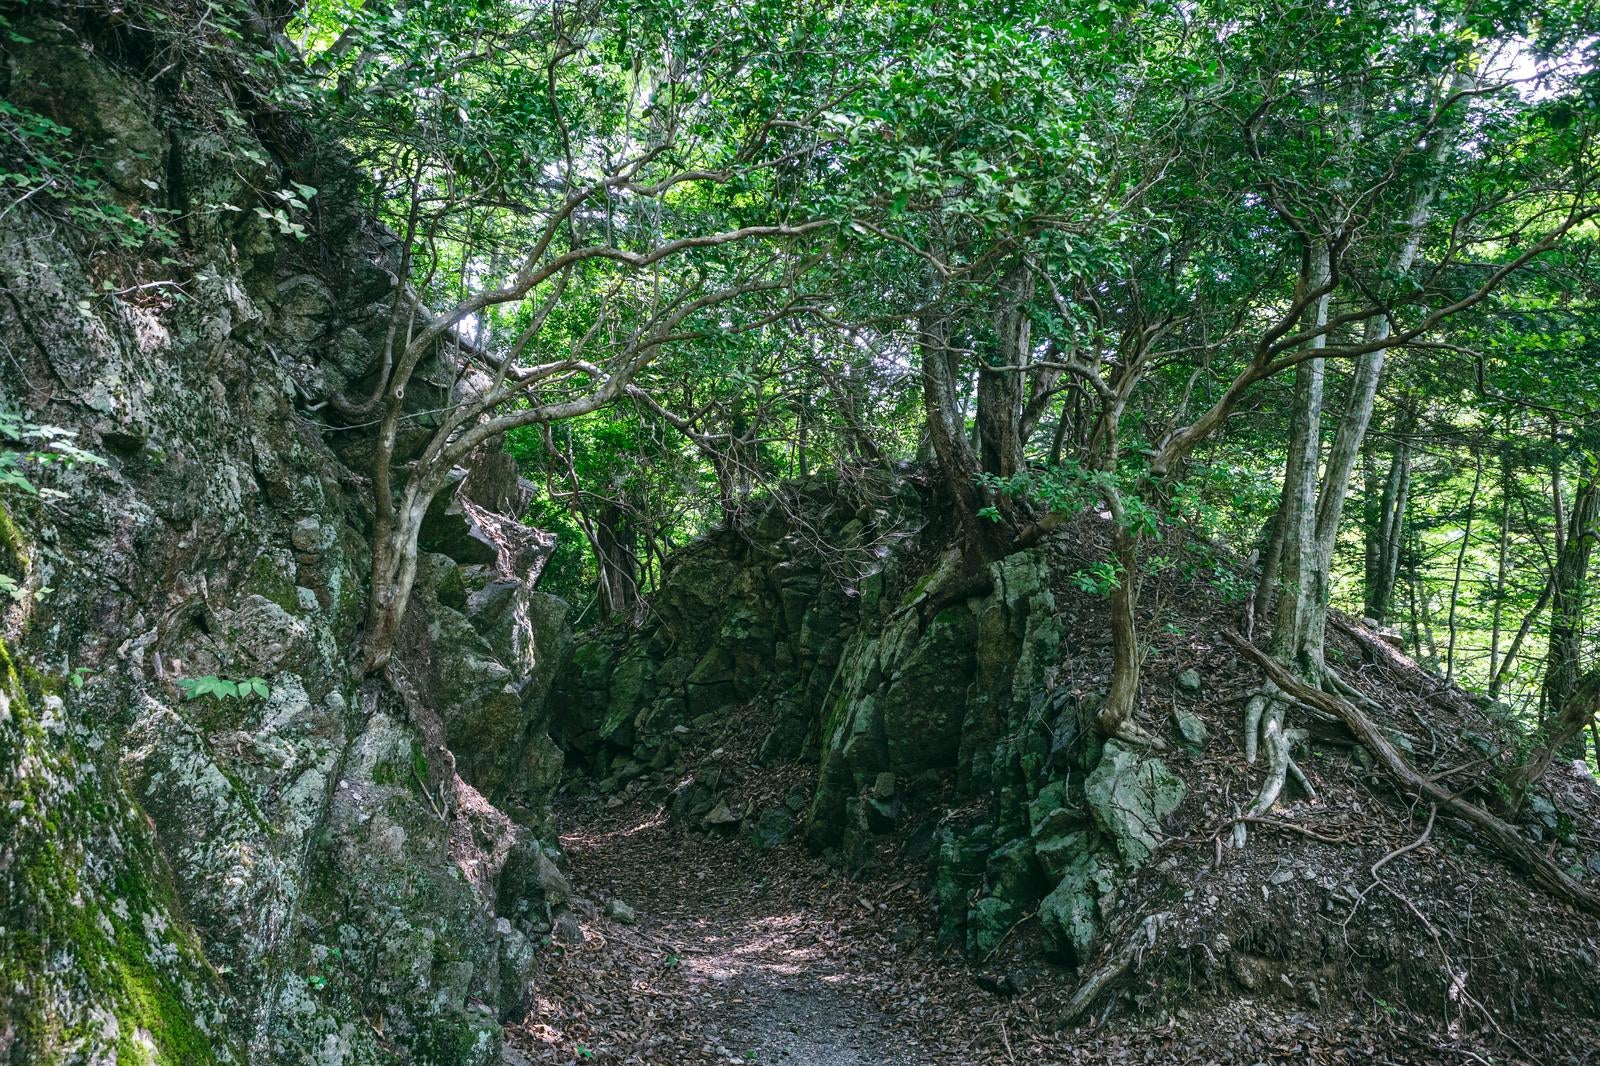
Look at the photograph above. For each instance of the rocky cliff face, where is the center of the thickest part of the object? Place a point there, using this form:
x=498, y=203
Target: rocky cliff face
x=949, y=731
x=339, y=870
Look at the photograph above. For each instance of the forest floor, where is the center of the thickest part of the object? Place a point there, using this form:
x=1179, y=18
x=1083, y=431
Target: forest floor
x=766, y=956
x=738, y=953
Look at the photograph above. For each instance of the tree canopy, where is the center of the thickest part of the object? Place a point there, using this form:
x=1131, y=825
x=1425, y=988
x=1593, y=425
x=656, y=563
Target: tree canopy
x=1308, y=284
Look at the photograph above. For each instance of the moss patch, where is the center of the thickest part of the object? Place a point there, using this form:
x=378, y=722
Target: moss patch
x=90, y=937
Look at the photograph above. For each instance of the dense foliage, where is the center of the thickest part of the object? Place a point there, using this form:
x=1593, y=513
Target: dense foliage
x=1121, y=255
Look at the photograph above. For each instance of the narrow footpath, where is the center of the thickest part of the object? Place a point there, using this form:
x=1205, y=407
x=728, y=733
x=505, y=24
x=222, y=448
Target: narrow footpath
x=705, y=947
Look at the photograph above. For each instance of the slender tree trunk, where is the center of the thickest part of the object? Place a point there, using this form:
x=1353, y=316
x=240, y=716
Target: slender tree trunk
x=1571, y=697
x=1570, y=597
x=1267, y=586
x=616, y=558
x=1297, y=584
x=947, y=433
x=1497, y=682
x=1264, y=726
x=999, y=414
x=1412, y=605
x=1424, y=603
x=1315, y=563
x=1502, y=550
x=1116, y=714
x=1461, y=558
x=1579, y=705
x=1385, y=540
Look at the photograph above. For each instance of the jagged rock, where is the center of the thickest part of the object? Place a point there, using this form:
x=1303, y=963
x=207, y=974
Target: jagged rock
x=923, y=705
x=619, y=911
x=292, y=866
x=106, y=108
x=720, y=817
x=307, y=535
x=988, y=922
x=772, y=827
x=959, y=861
x=786, y=739
x=451, y=528
x=1069, y=915
x=880, y=806
x=1013, y=872
x=1190, y=728
x=1129, y=797
x=531, y=884
x=1189, y=681
x=1051, y=812
x=567, y=930
x=519, y=959
x=1013, y=880
x=1018, y=641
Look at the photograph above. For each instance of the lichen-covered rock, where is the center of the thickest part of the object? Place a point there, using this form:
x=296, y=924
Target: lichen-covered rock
x=1190, y=728
x=1129, y=796
x=96, y=960
x=772, y=827
x=324, y=874
x=1070, y=914
x=958, y=865
x=924, y=702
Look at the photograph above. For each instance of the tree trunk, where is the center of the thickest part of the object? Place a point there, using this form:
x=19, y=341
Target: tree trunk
x=1497, y=682
x=1461, y=558
x=1579, y=705
x=1297, y=582
x=617, y=559
x=1385, y=536
x=957, y=462
x=1502, y=550
x=1116, y=714
x=999, y=414
x=1313, y=567
x=1570, y=593
x=1572, y=697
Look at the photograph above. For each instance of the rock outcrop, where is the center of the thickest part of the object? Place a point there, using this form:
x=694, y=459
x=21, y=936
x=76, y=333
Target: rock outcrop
x=342, y=870
x=904, y=716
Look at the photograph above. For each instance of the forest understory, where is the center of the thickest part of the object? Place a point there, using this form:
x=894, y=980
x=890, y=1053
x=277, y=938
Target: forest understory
x=865, y=531
x=1357, y=927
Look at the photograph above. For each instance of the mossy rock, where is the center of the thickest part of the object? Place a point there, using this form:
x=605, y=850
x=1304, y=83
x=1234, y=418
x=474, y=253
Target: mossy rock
x=1129, y=797
x=1070, y=914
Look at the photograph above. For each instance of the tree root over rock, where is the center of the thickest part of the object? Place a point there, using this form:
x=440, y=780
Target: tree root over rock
x=1501, y=835
x=1113, y=969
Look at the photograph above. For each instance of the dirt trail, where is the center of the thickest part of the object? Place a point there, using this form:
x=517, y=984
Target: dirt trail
x=700, y=947
x=737, y=954
x=752, y=955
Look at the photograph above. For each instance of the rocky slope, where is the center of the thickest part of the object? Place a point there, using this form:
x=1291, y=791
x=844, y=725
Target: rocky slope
x=897, y=709
x=948, y=759
x=336, y=871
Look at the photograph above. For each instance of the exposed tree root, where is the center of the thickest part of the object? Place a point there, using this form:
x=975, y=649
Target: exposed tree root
x=1113, y=969
x=1332, y=682
x=1264, y=728
x=1132, y=732
x=1502, y=836
x=955, y=580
